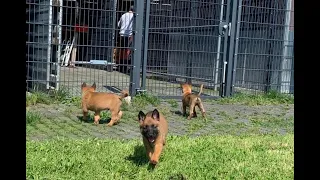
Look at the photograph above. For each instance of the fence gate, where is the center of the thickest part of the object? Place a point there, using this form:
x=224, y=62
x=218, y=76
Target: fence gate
x=174, y=41
x=185, y=41
x=41, y=64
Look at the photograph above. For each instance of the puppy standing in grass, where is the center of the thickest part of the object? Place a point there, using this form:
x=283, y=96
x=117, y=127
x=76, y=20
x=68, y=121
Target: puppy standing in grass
x=154, y=129
x=191, y=100
x=99, y=101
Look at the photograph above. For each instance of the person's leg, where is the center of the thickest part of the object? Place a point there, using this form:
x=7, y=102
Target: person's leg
x=129, y=56
x=122, y=61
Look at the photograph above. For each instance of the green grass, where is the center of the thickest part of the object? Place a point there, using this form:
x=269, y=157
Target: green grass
x=237, y=148
x=216, y=157
x=270, y=98
x=32, y=117
x=173, y=103
x=52, y=97
x=273, y=122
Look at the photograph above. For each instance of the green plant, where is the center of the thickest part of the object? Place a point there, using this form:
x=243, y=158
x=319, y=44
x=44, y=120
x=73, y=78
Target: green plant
x=143, y=99
x=32, y=117
x=61, y=94
x=42, y=97
x=31, y=99
x=72, y=100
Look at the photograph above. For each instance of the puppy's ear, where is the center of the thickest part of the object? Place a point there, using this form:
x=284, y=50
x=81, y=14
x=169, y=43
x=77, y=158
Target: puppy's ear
x=83, y=85
x=141, y=116
x=94, y=86
x=156, y=114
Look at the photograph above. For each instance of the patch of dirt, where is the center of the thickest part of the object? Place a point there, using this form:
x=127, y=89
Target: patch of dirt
x=65, y=120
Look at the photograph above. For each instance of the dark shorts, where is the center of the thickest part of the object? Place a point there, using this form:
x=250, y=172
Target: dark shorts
x=124, y=41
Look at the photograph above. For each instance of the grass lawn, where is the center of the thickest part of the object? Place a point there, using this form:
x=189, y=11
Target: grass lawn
x=206, y=157
x=244, y=137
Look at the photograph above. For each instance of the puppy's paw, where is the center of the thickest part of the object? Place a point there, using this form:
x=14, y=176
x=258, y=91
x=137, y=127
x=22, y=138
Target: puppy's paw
x=109, y=124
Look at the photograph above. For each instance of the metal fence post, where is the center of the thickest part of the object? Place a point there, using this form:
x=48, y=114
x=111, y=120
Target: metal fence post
x=145, y=49
x=237, y=26
x=225, y=50
x=137, y=47
x=60, y=14
x=230, y=59
x=192, y=14
x=49, y=53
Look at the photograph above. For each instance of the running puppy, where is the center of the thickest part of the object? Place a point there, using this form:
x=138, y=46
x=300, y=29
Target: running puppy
x=154, y=129
x=99, y=101
x=191, y=100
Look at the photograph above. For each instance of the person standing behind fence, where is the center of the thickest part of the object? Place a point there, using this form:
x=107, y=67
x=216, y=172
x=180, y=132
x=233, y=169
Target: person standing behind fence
x=125, y=25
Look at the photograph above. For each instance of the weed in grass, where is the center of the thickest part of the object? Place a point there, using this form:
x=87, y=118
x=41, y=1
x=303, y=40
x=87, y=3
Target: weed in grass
x=104, y=115
x=32, y=117
x=173, y=103
x=41, y=97
x=60, y=95
x=31, y=99
x=74, y=100
x=68, y=111
x=140, y=101
x=165, y=110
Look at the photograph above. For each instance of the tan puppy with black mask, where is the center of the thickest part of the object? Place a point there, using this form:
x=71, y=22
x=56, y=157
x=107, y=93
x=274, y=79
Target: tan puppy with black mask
x=154, y=129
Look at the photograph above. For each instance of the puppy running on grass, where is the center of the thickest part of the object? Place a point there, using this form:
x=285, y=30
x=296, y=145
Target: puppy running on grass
x=154, y=129
x=99, y=101
x=191, y=100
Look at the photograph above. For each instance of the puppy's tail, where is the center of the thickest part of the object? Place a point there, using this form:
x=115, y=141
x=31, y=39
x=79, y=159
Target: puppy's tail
x=201, y=87
x=124, y=93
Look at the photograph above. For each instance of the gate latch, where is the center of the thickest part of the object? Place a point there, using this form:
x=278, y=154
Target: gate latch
x=223, y=27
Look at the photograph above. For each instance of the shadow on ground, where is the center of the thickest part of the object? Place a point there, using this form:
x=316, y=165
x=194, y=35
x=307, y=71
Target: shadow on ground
x=90, y=120
x=139, y=156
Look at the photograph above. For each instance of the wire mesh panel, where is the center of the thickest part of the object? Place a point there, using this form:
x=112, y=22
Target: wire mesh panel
x=184, y=45
x=75, y=41
x=174, y=41
x=38, y=57
x=265, y=46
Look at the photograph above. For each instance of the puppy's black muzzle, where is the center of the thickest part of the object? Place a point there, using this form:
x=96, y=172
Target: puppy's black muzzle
x=150, y=132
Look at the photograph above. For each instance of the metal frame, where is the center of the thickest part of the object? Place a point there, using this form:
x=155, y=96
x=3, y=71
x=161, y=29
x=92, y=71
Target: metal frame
x=183, y=36
x=49, y=44
x=137, y=47
x=145, y=43
x=231, y=61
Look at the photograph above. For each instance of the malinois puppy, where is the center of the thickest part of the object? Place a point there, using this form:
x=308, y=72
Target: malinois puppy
x=191, y=100
x=99, y=101
x=154, y=129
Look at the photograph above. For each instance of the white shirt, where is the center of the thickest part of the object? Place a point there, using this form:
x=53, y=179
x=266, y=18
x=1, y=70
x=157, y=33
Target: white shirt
x=125, y=24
